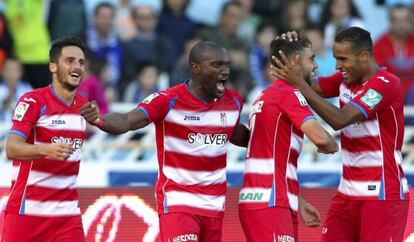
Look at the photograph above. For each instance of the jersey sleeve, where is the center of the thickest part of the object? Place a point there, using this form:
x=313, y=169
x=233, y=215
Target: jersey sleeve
x=157, y=105
x=330, y=85
x=295, y=106
x=380, y=92
x=26, y=113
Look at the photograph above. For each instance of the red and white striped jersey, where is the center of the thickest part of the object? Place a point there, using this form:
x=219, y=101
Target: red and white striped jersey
x=371, y=149
x=47, y=187
x=192, y=139
x=270, y=176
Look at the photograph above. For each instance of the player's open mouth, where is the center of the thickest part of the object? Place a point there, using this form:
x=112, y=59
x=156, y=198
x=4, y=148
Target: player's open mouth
x=345, y=74
x=221, y=84
x=75, y=75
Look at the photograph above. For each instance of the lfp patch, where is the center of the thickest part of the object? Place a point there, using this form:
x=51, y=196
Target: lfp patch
x=20, y=111
x=371, y=98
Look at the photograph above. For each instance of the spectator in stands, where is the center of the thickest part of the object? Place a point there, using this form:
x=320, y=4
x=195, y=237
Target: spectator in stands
x=181, y=70
x=259, y=54
x=295, y=16
x=6, y=42
x=323, y=54
x=104, y=43
x=145, y=83
x=194, y=123
x=146, y=45
x=92, y=86
x=124, y=24
x=31, y=39
x=338, y=15
x=249, y=21
x=225, y=35
x=174, y=24
x=395, y=49
x=11, y=87
x=67, y=18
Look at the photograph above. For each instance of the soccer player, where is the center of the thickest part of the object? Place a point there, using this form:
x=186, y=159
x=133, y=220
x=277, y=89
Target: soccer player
x=372, y=199
x=280, y=116
x=194, y=122
x=44, y=144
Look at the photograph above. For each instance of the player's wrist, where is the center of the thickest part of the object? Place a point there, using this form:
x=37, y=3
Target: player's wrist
x=100, y=122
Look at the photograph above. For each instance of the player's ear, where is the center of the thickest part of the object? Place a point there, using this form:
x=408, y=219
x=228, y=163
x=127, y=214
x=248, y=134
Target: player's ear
x=364, y=56
x=52, y=67
x=195, y=67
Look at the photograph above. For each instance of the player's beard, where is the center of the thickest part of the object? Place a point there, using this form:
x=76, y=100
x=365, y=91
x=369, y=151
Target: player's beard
x=63, y=80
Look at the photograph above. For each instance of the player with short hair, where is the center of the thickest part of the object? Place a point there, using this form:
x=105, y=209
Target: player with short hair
x=279, y=118
x=194, y=122
x=44, y=144
x=372, y=199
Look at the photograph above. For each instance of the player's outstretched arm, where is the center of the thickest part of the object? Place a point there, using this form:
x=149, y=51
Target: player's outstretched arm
x=319, y=136
x=241, y=136
x=18, y=149
x=308, y=213
x=114, y=123
x=335, y=117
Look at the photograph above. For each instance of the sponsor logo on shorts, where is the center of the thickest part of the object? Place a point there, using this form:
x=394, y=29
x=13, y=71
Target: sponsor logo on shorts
x=324, y=230
x=185, y=237
x=251, y=196
x=284, y=238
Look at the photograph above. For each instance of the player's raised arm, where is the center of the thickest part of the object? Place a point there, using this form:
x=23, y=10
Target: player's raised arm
x=114, y=123
x=318, y=135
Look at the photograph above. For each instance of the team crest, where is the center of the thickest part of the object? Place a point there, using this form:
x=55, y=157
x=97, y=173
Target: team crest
x=223, y=119
x=20, y=111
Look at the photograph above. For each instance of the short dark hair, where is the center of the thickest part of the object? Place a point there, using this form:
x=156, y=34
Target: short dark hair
x=359, y=38
x=58, y=45
x=289, y=48
x=227, y=5
x=103, y=5
x=200, y=49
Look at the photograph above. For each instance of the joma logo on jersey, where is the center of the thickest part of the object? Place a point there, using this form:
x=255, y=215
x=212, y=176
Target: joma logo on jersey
x=207, y=139
x=251, y=196
x=58, y=122
x=75, y=143
x=185, y=237
x=191, y=118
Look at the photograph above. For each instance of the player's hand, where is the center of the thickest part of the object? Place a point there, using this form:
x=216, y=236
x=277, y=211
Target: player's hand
x=309, y=214
x=332, y=151
x=288, y=70
x=58, y=151
x=90, y=112
x=290, y=35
